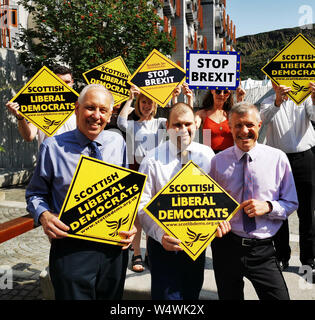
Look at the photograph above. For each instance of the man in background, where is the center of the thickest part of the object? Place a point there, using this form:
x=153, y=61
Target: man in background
x=289, y=129
x=28, y=130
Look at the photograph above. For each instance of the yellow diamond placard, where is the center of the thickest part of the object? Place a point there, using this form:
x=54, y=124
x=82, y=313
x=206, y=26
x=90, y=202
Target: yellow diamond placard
x=157, y=77
x=113, y=75
x=102, y=200
x=190, y=207
x=294, y=66
x=46, y=101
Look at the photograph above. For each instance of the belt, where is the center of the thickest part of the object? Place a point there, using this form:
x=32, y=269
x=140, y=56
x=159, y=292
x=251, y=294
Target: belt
x=249, y=242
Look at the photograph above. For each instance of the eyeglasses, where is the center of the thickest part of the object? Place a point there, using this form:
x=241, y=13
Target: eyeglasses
x=224, y=91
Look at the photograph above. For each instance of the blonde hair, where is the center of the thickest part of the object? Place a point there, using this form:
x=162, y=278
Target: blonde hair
x=137, y=105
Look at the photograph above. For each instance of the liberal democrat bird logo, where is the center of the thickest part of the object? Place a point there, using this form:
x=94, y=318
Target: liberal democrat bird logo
x=50, y=123
x=298, y=88
x=195, y=237
x=116, y=225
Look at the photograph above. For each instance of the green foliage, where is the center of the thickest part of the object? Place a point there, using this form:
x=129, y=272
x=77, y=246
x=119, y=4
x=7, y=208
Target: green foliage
x=257, y=49
x=86, y=33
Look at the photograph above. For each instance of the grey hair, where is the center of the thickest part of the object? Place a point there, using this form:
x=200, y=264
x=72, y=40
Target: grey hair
x=243, y=108
x=95, y=86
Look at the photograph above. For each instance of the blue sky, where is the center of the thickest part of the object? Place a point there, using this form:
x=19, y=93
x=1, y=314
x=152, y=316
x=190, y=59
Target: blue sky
x=256, y=16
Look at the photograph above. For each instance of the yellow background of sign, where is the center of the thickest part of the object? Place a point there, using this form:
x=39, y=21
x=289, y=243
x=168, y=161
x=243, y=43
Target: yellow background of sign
x=192, y=175
x=298, y=46
x=186, y=231
x=90, y=174
x=161, y=94
x=90, y=171
x=48, y=122
x=116, y=64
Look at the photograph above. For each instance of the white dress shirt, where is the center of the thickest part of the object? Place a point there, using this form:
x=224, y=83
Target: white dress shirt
x=289, y=126
x=160, y=165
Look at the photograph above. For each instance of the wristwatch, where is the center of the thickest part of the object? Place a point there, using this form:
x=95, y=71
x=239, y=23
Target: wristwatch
x=270, y=207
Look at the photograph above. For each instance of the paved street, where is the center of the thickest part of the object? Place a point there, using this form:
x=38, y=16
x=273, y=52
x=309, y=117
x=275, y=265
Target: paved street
x=27, y=256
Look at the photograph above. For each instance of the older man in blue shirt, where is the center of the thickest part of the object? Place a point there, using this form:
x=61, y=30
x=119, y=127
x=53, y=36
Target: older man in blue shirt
x=79, y=269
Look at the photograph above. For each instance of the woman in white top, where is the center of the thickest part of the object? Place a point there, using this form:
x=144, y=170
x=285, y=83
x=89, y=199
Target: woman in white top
x=141, y=136
x=146, y=133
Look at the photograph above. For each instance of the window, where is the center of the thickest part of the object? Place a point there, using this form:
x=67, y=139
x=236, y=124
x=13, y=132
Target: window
x=13, y=18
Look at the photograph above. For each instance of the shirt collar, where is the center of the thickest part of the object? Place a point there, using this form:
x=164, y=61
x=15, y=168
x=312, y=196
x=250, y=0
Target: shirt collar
x=84, y=141
x=239, y=153
x=174, y=151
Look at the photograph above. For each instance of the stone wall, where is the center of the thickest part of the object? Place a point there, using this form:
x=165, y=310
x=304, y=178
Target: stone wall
x=18, y=154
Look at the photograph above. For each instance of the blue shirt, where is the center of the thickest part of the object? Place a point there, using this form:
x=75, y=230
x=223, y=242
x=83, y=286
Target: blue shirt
x=57, y=161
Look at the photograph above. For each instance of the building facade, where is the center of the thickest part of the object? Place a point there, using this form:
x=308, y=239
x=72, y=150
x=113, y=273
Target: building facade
x=196, y=24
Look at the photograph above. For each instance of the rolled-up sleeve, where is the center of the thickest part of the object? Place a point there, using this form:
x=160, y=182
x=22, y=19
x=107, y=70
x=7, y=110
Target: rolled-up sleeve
x=122, y=123
x=268, y=111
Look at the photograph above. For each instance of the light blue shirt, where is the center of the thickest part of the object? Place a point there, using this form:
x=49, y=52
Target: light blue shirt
x=57, y=161
x=272, y=181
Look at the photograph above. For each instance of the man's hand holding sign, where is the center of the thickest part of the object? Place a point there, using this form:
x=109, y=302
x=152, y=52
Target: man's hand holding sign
x=181, y=209
x=173, y=244
x=46, y=101
x=52, y=226
x=81, y=176
x=292, y=70
x=283, y=91
x=56, y=229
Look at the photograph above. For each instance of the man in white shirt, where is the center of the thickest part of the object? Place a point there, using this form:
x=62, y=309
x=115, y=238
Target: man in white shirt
x=28, y=130
x=289, y=129
x=174, y=275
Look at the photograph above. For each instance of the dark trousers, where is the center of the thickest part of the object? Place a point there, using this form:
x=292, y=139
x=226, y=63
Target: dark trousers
x=232, y=262
x=85, y=270
x=174, y=275
x=282, y=242
x=303, y=169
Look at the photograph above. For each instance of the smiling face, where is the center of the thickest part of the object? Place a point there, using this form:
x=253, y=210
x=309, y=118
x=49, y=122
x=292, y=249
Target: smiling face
x=220, y=96
x=93, y=113
x=146, y=107
x=181, y=127
x=245, y=128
